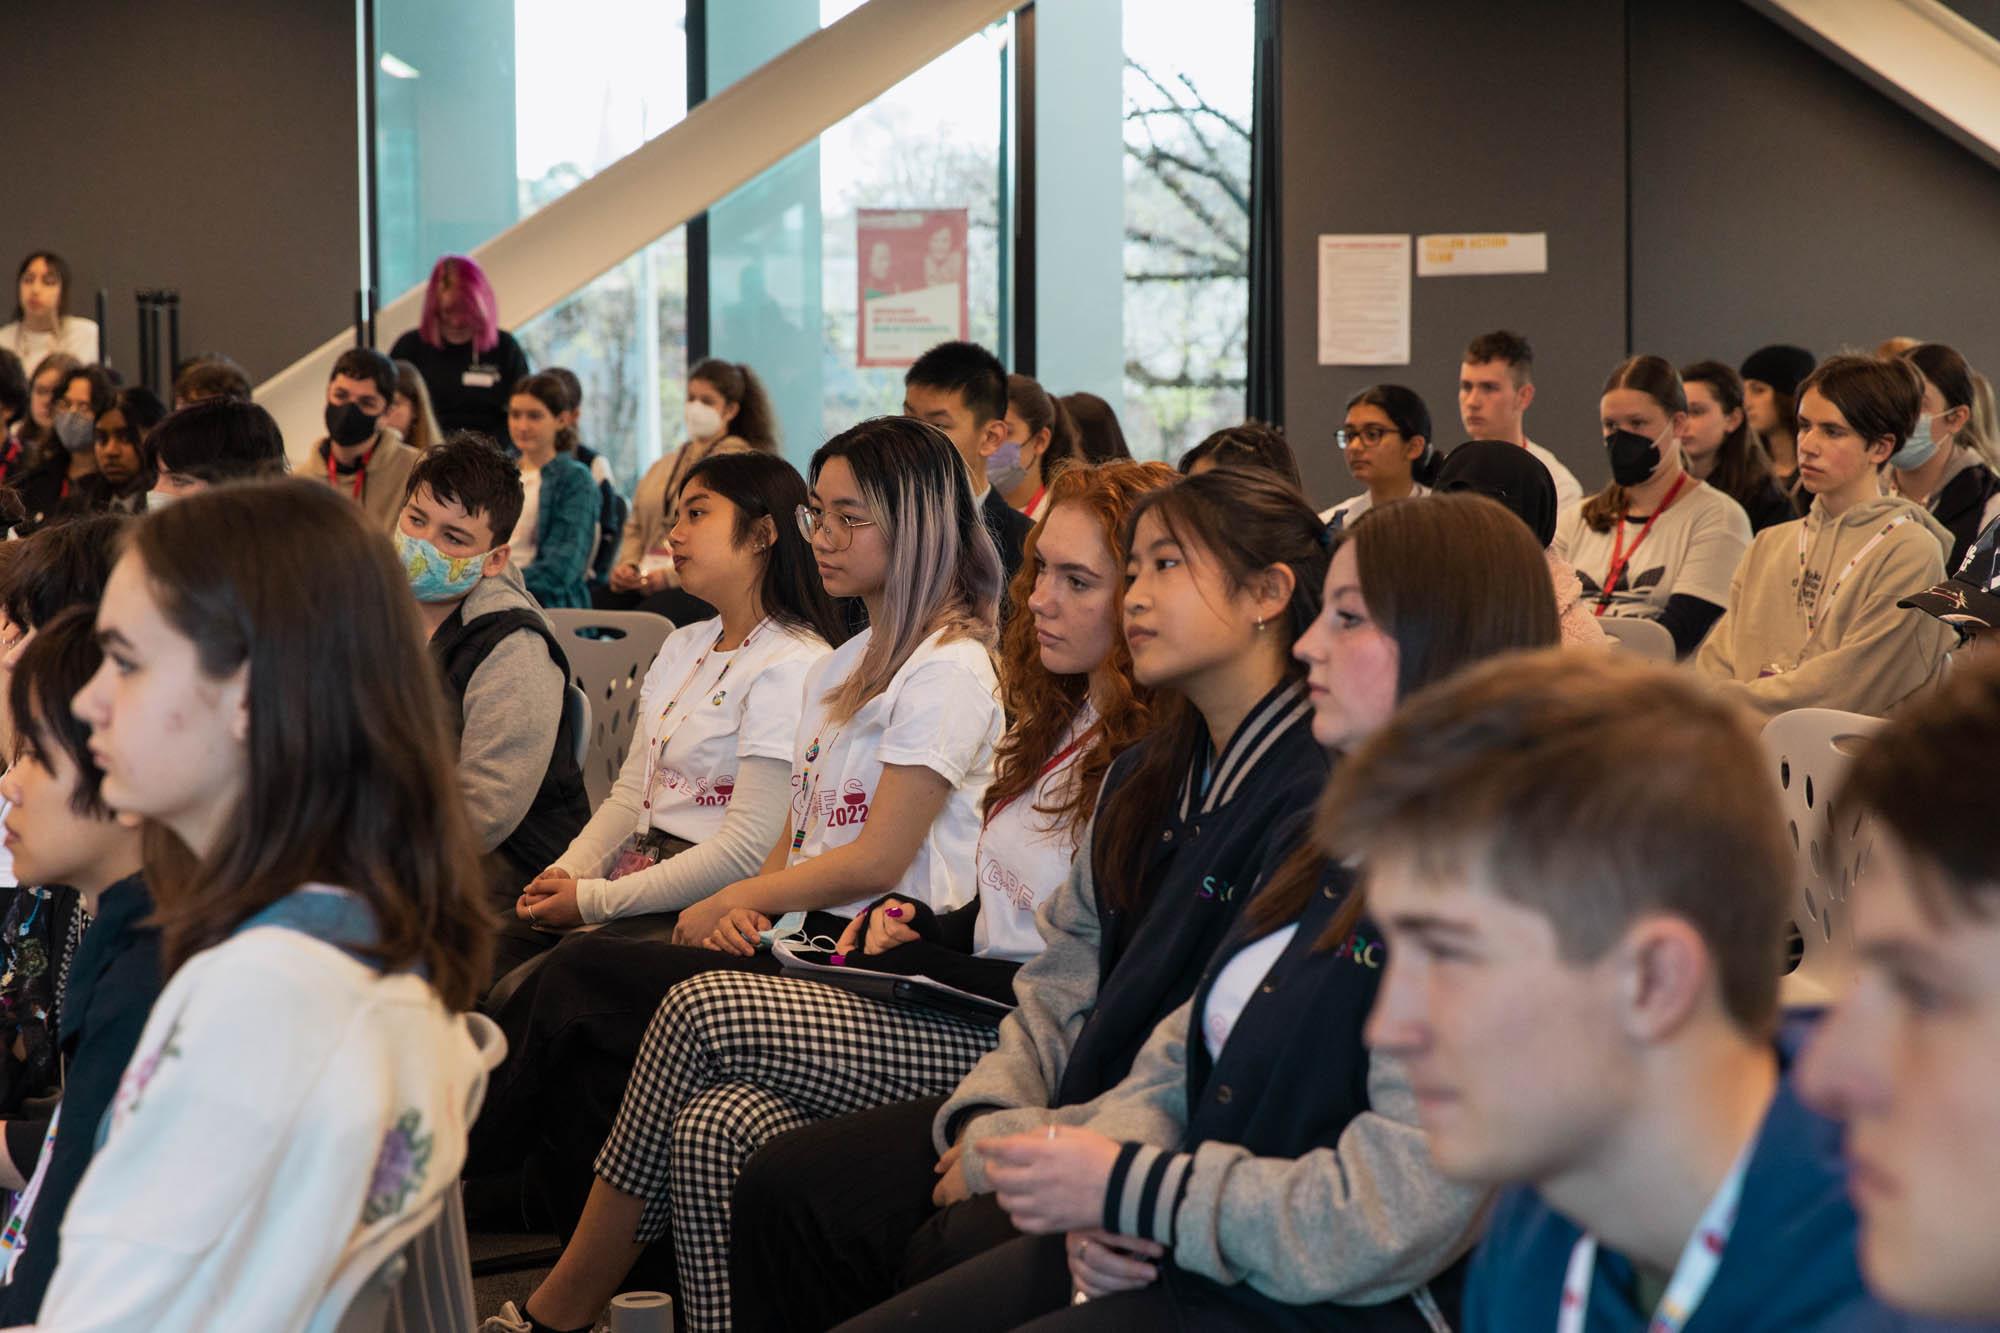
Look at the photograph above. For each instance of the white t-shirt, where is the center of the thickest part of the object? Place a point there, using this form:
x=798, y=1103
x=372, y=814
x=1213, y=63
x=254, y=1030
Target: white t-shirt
x=941, y=711
x=1349, y=510
x=1692, y=550
x=521, y=546
x=1569, y=490
x=727, y=707
x=1236, y=983
x=77, y=336
x=1024, y=856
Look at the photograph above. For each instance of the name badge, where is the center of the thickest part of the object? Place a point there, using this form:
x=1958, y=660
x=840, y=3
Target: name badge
x=479, y=377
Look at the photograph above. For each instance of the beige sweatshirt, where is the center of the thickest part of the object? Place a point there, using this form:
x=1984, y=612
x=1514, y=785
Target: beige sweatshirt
x=647, y=528
x=1862, y=654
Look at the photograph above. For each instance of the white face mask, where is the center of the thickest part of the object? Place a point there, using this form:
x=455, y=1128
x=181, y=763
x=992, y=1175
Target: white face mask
x=703, y=421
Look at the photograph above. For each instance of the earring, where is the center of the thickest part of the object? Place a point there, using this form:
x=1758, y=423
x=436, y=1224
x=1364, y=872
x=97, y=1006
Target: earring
x=1260, y=624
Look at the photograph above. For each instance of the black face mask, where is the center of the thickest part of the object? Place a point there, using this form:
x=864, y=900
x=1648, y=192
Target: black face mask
x=1633, y=457
x=347, y=424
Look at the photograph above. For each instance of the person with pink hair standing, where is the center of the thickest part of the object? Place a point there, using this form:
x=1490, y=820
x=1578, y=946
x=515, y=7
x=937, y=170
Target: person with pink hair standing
x=469, y=363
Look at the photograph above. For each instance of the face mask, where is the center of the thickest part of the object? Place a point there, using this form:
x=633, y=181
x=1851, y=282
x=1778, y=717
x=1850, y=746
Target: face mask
x=433, y=575
x=1916, y=450
x=348, y=425
x=76, y=430
x=1004, y=470
x=703, y=421
x=1633, y=456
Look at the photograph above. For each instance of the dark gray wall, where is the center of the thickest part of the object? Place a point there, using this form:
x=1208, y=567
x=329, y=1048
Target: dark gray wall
x=207, y=145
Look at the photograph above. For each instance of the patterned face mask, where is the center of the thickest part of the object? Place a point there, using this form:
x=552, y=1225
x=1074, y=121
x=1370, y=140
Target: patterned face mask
x=433, y=575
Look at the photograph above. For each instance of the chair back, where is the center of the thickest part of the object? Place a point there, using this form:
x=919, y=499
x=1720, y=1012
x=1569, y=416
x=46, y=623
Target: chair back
x=609, y=654
x=1809, y=750
x=576, y=707
x=1648, y=638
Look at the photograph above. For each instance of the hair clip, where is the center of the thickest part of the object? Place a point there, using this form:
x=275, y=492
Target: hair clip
x=1324, y=536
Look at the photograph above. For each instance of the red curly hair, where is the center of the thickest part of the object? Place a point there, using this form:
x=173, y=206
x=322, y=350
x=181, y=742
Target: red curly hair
x=1043, y=704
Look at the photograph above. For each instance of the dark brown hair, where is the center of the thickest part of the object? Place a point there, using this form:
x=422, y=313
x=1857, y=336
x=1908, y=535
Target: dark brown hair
x=57, y=663
x=352, y=779
x=1503, y=345
x=1252, y=444
x=552, y=392
x=1741, y=466
x=1948, y=369
x=1878, y=398
x=1039, y=412
x=1655, y=377
x=756, y=421
x=210, y=375
x=1095, y=426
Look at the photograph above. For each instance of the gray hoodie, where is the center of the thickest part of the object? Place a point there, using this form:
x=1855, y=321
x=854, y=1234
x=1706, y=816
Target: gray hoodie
x=513, y=707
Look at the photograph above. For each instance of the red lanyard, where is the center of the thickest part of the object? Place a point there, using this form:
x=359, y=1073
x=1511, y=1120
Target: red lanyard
x=1055, y=762
x=360, y=470
x=1620, y=557
x=1029, y=508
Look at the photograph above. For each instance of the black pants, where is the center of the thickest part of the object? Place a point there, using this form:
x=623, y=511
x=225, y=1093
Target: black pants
x=683, y=608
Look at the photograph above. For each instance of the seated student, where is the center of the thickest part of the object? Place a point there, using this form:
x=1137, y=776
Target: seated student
x=57, y=568
x=1582, y=983
x=410, y=414
x=1969, y=601
x=360, y=455
x=1515, y=479
x=1228, y=570
x=892, y=756
x=961, y=388
x=300, y=1088
x=500, y=663
x=1813, y=619
x=37, y=429
x=61, y=832
x=15, y=402
x=612, y=509
x=1038, y=444
x=1496, y=382
x=806, y=1051
x=210, y=442
x=61, y=484
x=42, y=324
x=1771, y=379
x=1720, y=448
x=1906, y=1059
x=1251, y=444
x=703, y=792
x=1311, y=1204
x=1943, y=466
x=122, y=477
x=1656, y=543
x=207, y=375
x=1386, y=442
x=551, y=543
x=1095, y=427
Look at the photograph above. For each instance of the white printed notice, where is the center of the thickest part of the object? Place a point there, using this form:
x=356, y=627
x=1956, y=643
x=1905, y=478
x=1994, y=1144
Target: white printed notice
x=1364, y=300
x=1445, y=256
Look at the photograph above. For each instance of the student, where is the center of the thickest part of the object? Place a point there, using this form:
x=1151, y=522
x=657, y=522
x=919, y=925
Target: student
x=1581, y=982
x=14, y=407
x=212, y=375
x=1943, y=466
x=61, y=832
x=1227, y=571
x=1720, y=448
x=1496, y=382
x=1515, y=479
x=37, y=429
x=1656, y=543
x=612, y=509
x=208, y=443
x=1813, y=619
x=1386, y=441
x=360, y=456
x=63, y=481
x=1906, y=1059
x=703, y=792
x=320, y=923
x=1311, y=1204
x=500, y=663
x=1251, y=444
x=1098, y=435
x=42, y=324
x=961, y=388
x=551, y=542
x=410, y=414
x=122, y=476
x=469, y=363
x=1969, y=601
x=1771, y=378
x=1037, y=444
x=728, y=412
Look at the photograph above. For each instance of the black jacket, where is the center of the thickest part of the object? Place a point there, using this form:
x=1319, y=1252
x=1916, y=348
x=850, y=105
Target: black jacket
x=1009, y=528
x=462, y=406
x=1961, y=505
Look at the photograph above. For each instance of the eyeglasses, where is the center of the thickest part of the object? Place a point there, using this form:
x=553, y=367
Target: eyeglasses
x=838, y=527
x=1371, y=435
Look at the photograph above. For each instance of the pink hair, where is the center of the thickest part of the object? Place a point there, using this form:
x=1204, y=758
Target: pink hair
x=471, y=281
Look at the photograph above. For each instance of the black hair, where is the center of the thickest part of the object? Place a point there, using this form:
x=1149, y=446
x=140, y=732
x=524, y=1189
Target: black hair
x=1252, y=444
x=61, y=566
x=766, y=486
x=968, y=370
x=13, y=388
x=1407, y=413
x=54, y=261
x=57, y=663
x=1503, y=345
x=103, y=389
x=365, y=363
x=210, y=375
x=142, y=410
x=217, y=440
x=472, y=472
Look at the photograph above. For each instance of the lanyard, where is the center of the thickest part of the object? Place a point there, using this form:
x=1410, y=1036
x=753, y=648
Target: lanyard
x=1825, y=599
x=14, y=1239
x=1029, y=508
x=1620, y=557
x=1693, y=1275
x=1089, y=724
x=360, y=471
x=656, y=755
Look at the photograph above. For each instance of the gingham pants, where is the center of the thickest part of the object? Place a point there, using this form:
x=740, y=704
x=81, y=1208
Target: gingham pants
x=732, y=1060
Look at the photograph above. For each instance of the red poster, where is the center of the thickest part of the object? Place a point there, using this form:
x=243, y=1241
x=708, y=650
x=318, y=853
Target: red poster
x=912, y=279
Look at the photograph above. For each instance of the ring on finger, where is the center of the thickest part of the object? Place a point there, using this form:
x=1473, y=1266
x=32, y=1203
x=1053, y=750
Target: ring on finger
x=1081, y=1246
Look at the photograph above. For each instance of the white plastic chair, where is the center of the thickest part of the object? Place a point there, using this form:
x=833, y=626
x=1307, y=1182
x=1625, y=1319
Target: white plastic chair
x=1648, y=638
x=1810, y=749
x=417, y=1276
x=609, y=654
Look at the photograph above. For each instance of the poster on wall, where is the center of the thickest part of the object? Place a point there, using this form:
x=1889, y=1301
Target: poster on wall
x=913, y=288
x=1364, y=300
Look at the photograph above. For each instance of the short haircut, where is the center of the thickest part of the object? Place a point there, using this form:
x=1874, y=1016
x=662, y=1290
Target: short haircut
x=57, y=663
x=62, y=566
x=1595, y=790
x=1252, y=444
x=1503, y=345
x=1878, y=398
x=968, y=370
x=218, y=440
x=365, y=363
x=13, y=387
x=210, y=375
x=470, y=471
x=1918, y=776
x=103, y=389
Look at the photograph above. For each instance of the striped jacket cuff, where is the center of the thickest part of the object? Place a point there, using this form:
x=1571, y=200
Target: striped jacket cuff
x=1145, y=1191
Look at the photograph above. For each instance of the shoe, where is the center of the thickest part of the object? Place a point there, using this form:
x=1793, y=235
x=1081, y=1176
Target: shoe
x=511, y=1319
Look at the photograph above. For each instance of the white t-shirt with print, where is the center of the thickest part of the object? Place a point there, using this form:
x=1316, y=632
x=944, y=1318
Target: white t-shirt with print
x=941, y=711
x=77, y=336
x=1024, y=856
x=727, y=707
x=1693, y=550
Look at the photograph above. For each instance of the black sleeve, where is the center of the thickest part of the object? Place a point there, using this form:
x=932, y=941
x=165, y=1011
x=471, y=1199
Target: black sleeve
x=1688, y=620
x=954, y=928
x=406, y=346
x=24, y=1142
x=513, y=362
x=990, y=977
